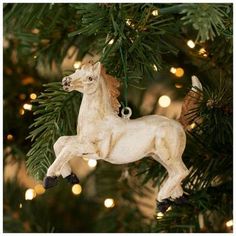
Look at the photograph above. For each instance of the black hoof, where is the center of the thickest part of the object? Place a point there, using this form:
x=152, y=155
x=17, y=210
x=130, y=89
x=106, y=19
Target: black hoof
x=50, y=181
x=181, y=200
x=163, y=205
x=72, y=179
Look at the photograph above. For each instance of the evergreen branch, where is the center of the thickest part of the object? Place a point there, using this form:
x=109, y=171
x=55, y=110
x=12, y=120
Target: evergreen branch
x=53, y=121
x=207, y=19
x=184, y=217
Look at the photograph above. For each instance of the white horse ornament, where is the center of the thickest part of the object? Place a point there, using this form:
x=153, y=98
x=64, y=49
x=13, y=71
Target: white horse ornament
x=102, y=134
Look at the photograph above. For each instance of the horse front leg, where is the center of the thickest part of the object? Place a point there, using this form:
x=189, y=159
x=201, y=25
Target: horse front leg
x=61, y=167
x=59, y=145
x=64, y=170
x=66, y=148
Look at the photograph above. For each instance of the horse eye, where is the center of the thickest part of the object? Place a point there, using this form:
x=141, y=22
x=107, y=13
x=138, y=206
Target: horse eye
x=90, y=78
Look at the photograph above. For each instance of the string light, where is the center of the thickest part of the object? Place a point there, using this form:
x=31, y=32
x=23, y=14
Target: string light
x=202, y=52
x=21, y=111
x=9, y=137
x=30, y=194
x=35, y=31
x=20, y=205
x=179, y=72
x=229, y=223
x=191, y=44
x=27, y=106
x=27, y=80
x=164, y=101
x=109, y=203
x=155, y=13
x=178, y=85
x=193, y=125
x=169, y=208
x=128, y=22
x=35, y=57
x=111, y=41
x=39, y=189
x=77, y=65
x=154, y=67
x=159, y=215
x=173, y=70
x=92, y=163
x=33, y=96
x=76, y=189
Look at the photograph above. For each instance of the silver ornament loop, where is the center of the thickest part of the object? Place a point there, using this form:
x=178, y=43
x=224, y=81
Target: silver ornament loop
x=126, y=112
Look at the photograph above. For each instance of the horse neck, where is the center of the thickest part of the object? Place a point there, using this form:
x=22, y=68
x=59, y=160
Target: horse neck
x=95, y=106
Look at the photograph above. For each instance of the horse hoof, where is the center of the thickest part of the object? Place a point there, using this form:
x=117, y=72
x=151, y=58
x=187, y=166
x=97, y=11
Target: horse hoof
x=72, y=179
x=163, y=205
x=49, y=182
x=181, y=200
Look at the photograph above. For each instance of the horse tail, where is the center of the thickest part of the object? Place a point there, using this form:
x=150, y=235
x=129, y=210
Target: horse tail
x=191, y=101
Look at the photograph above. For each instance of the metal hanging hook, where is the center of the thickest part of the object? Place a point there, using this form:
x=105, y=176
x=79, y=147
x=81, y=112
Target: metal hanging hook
x=126, y=112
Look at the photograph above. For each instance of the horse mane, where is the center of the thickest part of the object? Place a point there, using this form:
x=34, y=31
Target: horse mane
x=112, y=85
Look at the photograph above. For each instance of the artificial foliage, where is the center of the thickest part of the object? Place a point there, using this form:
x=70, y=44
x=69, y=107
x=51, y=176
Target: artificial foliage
x=137, y=43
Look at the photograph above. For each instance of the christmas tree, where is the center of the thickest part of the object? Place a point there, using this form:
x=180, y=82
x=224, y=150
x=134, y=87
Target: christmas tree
x=153, y=49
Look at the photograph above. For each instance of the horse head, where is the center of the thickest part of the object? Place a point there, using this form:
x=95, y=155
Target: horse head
x=84, y=80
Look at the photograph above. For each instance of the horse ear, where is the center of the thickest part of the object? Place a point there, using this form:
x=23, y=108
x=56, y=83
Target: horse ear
x=97, y=68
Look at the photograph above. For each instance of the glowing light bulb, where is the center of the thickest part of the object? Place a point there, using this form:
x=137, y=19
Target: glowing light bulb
x=202, y=52
x=27, y=106
x=179, y=72
x=155, y=13
x=109, y=203
x=35, y=57
x=169, y=208
x=178, y=85
x=229, y=223
x=164, y=101
x=35, y=31
x=111, y=41
x=193, y=125
x=77, y=64
x=154, y=67
x=20, y=205
x=30, y=194
x=159, y=215
x=10, y=137
x=173, y=70
x=21, y=111
x=39, y=189
x=92, y=163
x=33, y=96
x=76, y=189
x=128, y=22
x=191, y=44
x=27, y=80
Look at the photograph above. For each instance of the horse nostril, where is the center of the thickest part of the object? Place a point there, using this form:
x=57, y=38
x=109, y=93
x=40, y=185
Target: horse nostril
x=66, y=81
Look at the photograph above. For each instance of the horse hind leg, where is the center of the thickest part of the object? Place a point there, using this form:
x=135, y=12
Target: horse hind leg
x=177, y=171
x=162, y=158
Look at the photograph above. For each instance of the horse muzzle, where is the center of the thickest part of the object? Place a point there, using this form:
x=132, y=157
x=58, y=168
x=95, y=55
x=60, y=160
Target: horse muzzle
x=66, y=82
